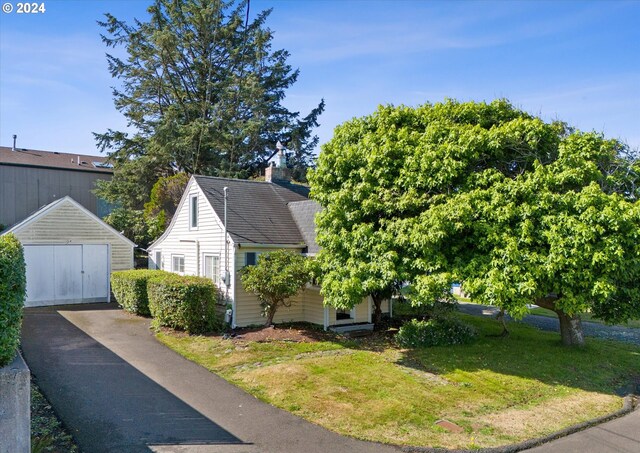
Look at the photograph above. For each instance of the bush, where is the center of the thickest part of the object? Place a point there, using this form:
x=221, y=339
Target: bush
x=184, y=303
x=130, y=289
x=435, y=332
x=13, y=288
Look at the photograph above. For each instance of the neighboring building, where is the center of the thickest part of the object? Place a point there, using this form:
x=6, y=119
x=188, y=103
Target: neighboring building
x=31, y=179
x=69, y=254
x=261, y=217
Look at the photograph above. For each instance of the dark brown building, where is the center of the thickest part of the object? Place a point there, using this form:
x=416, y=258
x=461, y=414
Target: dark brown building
x=31, y=179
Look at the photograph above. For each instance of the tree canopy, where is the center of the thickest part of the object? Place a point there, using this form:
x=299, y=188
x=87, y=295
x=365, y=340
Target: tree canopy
x=518, y=210
x=202, y=91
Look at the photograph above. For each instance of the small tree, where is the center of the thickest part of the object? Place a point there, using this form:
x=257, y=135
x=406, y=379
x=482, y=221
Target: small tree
x=275, y=278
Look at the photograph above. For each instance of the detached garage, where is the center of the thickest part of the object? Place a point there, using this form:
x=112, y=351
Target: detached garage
x=69, y=254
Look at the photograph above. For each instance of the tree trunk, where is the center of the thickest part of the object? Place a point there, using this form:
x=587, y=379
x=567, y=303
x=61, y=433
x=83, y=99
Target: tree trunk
x=570, y=326
x=377, y=308
x=570, y=329
x=501, y=317
x=271, y=312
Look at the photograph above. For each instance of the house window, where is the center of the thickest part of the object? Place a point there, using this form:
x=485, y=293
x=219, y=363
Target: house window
x=250, y=258
x=158, y=262
x=178, y=263
x=212, y=267
x=342, y=315
x=193, y=212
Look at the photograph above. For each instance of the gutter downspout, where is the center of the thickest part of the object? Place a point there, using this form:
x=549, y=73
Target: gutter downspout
x=226, y=246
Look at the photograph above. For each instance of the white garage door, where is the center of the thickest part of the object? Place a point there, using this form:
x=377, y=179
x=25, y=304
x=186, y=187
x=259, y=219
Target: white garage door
x=66, y=274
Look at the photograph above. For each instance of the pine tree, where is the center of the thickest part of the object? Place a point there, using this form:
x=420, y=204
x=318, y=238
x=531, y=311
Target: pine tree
x=202, y=90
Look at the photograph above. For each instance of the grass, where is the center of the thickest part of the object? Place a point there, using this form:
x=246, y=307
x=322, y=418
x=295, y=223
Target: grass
x=499, y=390
x=47, y=432
x=634, y=323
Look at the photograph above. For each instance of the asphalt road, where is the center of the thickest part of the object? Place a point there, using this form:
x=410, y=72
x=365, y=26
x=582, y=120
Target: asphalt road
x=591, y=329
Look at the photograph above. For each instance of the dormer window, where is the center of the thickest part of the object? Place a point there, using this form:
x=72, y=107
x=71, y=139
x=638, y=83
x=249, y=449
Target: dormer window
x=193, y=212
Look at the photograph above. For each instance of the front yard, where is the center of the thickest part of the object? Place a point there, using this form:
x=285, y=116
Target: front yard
x=500, y=391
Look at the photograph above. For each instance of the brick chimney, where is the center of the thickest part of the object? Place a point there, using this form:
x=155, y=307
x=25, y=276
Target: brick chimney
x=279, y=172
x=275, y=174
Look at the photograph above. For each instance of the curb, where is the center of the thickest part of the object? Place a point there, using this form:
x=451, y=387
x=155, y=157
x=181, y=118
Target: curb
x=630, y=404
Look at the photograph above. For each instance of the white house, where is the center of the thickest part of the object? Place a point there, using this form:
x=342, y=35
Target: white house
x=260, y=217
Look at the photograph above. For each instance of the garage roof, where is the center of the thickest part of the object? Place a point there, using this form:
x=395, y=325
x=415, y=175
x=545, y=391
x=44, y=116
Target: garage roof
x=55, y=205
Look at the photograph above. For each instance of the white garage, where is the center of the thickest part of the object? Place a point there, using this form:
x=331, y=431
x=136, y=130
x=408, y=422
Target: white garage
x=69, y=254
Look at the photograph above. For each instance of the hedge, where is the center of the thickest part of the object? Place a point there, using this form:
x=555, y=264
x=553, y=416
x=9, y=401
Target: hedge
x=130, y=289
x=435, y=332
x=13, y=288
x=184, y=303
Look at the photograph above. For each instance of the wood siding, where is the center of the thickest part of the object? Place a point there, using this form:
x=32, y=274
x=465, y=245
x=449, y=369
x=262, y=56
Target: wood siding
x=181, y=239
x=247, y=306
x=67, y=224
x=24, y=190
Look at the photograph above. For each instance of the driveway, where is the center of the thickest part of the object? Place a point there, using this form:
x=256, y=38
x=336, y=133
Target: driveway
x=118, y=390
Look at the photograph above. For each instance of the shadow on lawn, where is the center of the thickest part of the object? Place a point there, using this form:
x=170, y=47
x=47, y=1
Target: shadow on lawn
x=601, y=366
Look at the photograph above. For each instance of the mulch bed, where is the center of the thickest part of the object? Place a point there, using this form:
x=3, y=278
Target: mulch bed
x=293, y=333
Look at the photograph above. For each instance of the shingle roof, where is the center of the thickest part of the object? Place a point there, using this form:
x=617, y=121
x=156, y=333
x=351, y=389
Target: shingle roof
x=257, y=211
x=304, y=214
x=48, y=159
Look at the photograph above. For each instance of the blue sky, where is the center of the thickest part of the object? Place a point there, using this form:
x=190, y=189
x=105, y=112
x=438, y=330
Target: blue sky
x=570, y=60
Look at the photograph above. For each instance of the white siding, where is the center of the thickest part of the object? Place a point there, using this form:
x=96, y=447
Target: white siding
x=181, y=240
x=193, y=244
x=67, y=224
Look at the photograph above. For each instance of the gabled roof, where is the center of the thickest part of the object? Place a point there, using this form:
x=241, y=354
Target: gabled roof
x=257, y=211
x=304, y=214
x=55, y=205
x=46, y=159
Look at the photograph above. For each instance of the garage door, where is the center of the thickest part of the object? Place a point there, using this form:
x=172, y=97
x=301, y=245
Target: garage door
x=66, y=274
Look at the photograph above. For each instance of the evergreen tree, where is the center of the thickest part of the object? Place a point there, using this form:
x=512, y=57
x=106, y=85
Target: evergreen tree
x=202, y=89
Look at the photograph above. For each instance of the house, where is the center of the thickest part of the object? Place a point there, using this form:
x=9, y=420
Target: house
x=69, y=254
x=261, y=216
x=30, y=179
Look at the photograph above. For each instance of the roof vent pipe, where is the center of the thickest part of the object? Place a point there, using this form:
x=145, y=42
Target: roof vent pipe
x=14, y=142
x=227, y=279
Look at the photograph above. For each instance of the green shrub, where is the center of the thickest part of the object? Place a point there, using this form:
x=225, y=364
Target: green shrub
x=435, y=332
x=184, y=303
x=13, y=288
x=130, y=289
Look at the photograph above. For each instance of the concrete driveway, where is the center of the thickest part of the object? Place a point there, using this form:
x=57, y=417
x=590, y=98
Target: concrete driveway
x=119, y=390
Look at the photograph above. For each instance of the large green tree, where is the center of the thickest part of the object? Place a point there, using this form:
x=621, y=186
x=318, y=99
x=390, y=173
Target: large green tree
x=519, y=210
x=202, y=91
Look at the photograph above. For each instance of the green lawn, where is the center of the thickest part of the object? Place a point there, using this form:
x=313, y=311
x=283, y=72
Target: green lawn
x=499, y=390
